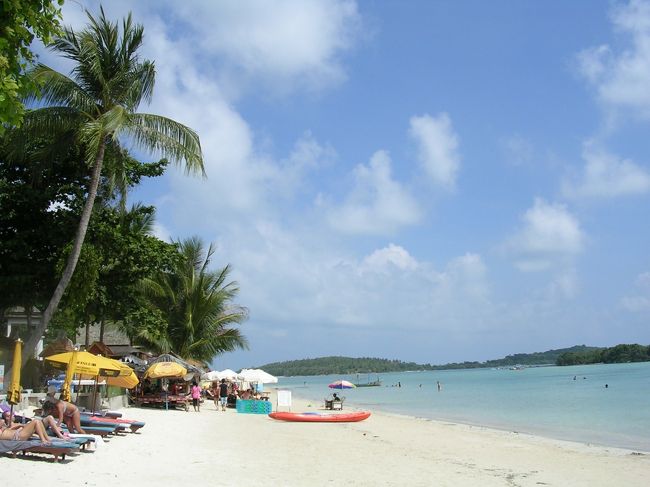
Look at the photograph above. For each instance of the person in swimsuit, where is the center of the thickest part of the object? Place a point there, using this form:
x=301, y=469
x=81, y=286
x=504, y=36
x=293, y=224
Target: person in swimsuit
x=23, y=432
x=65, y=412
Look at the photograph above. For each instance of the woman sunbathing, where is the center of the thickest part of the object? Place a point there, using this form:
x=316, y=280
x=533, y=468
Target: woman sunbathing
x=63, y=411
x=24, y=432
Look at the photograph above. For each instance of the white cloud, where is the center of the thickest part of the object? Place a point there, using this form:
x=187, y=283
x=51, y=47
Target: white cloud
x=307, y=279
x=621, y=78
x=606, y=176
x=549, y=233
x=385, y=259
x=437, y=148
x=377, y=203
x=285, y=43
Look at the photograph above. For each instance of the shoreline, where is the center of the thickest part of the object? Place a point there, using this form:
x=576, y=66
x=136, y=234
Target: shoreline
x=469, y=424
x=234, y=449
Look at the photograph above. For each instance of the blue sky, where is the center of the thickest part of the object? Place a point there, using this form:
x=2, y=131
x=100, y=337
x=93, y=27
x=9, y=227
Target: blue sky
x=428, y=181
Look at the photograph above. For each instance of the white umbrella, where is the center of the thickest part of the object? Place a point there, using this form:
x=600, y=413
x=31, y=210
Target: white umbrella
x=212, y=375
x=228, y=374
x=218, y=375
x=257, y=375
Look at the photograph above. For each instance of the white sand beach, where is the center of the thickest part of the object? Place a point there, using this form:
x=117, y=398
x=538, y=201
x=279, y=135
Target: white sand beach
x=231, y=449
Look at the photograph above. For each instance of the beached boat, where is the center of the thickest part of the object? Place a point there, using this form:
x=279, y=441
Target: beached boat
x=352, y=417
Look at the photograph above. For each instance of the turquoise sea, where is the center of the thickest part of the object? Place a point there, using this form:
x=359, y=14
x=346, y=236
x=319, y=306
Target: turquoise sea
x=546, y=401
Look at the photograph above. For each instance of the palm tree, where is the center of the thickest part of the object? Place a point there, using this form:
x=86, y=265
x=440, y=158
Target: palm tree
x=195, y=307
x=99, y=102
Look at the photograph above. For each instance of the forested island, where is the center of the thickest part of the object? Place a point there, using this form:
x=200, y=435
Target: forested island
x=614, y=355
x=579, y=354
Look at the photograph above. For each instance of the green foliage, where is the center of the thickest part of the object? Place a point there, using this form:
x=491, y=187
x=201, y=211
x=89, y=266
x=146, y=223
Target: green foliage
x=98, y=105
x=42, y=190
x=192, y=309
x=348, y=366
x=622, y=353
x=39, y=180
x=20, y=22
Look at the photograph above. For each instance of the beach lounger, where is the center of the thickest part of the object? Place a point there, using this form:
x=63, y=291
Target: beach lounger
x=58, y=449
x=121, y=423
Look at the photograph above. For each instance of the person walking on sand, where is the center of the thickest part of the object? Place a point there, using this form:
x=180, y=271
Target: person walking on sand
x=196, y=396
x=223, y=394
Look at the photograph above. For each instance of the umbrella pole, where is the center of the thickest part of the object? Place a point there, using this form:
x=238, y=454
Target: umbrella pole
x=11, y=415
x=78, y=390
x=94, y=395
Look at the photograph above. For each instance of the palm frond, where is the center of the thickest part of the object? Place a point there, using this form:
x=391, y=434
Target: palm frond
x=168, y=137
x=58, y=89
x=51, y=120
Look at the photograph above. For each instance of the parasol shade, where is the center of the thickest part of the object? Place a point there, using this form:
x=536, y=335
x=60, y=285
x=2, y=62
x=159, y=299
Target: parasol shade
x=126, y=381
x=85, y=363
x=341, y=384
x=257, y=375
x=13, y=394
x=159, y=370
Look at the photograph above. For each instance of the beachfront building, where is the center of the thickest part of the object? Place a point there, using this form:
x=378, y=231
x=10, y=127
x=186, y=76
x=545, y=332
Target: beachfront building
x=18, y=322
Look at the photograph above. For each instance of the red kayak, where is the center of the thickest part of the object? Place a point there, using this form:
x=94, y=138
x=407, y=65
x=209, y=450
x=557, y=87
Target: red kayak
x=322, y=418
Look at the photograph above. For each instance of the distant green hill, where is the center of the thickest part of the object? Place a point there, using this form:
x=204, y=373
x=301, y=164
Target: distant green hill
x=365, y=365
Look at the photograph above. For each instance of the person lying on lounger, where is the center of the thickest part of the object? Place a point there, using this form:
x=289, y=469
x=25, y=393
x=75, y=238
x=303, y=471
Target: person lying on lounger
x=23, y=432
x=64, y=412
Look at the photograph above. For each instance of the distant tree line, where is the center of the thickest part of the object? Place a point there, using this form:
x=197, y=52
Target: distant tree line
x=614, y=355
x=365, y=365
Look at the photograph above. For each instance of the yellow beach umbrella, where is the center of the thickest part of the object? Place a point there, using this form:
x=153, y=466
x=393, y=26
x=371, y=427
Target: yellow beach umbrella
x=13, y=394
x=69, y=374
x=126, y=381
x=159, y=370
x=85, y=363
x=126, y=378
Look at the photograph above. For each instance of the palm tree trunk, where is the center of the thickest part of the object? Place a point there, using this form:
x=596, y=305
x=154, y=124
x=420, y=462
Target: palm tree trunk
x=73, y=258
x=87, y=341
x=101, y=331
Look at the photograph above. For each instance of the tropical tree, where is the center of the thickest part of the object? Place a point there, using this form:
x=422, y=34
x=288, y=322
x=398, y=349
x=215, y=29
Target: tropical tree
x=194, y=307
x=98, y=102
x=20, y=22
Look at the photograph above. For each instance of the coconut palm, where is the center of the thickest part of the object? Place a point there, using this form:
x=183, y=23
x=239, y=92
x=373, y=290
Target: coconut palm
x=99, y=102
x=195, y=306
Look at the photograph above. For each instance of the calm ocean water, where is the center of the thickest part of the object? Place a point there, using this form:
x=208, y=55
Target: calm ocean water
x=544, y=400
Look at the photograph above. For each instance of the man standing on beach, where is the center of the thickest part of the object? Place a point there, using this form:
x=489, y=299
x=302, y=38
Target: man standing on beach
x=223, y=394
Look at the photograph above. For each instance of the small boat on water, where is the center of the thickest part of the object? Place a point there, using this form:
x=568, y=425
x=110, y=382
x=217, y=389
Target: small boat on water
x=352, y=417
x=374, y=383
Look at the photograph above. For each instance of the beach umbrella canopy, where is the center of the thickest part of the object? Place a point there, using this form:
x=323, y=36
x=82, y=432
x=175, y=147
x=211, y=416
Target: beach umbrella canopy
x=257, y=375
x=160, y=370
x=126, y=381
x=13, y=394
x=126, y=377
x=212, y=375
x=85, y=363
x=341, y=384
